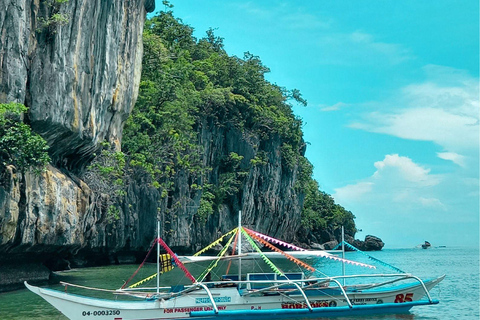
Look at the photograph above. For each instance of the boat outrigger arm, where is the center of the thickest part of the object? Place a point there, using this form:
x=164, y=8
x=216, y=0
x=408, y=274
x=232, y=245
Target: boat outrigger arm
x=333, y=279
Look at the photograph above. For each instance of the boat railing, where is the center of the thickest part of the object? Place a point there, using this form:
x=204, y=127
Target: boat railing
x=303, y=294
x=205, y=287
x=403, y=276
x=343, y=292
x=299, y=284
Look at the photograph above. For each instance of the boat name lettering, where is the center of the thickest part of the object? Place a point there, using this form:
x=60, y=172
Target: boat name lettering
x=101, y=313
x=191, y=309
x=361, y=301
x=216, y=299
x=302, y=305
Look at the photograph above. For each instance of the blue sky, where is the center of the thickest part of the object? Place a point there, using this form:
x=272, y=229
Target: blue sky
x=392, y=119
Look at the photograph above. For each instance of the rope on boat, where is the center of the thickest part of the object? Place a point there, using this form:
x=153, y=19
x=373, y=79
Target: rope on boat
x=289, y=257
x=369, y=256
x=166, y=264
x=215, y=263
x=140, y=266
x=84, y=287
x=211, y=245
x=264, y=257
x=233, y=251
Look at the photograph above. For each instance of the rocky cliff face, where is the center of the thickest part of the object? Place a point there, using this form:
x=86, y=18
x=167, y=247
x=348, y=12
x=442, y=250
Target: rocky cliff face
x=76, y=65
x=267, y=197
x=79, y=78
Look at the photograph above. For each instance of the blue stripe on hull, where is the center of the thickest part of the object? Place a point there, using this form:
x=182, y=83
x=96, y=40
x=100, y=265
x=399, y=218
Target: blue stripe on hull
x=316, y=312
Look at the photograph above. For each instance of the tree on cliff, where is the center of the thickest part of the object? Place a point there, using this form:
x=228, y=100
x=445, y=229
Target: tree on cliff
x=188, y=84
x=184, y=82
x=19, y=145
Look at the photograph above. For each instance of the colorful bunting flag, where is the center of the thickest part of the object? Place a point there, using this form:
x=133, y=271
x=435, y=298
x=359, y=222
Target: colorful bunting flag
x=317, y=253
x=211, y=245
x=276, y=241
x=264, y=257
x=177, y=261
x=215, y=263
x=289, y=257
x=143, y=281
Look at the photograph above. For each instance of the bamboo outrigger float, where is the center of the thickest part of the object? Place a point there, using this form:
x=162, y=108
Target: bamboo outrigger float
x=275, y=294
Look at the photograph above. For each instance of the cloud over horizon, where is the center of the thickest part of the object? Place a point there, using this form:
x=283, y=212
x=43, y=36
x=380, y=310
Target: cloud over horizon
x=396, y=179
x=444, y=109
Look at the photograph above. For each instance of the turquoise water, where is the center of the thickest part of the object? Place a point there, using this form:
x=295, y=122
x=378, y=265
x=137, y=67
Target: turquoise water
x=458, y=293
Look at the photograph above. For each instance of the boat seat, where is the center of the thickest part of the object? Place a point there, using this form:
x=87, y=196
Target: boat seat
x=260, y=276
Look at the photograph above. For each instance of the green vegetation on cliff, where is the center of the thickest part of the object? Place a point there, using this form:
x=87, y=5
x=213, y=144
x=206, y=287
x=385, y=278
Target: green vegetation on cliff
x=188, y=84
x=19, y=145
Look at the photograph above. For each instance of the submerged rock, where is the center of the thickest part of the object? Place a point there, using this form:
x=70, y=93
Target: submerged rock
x=12, y=275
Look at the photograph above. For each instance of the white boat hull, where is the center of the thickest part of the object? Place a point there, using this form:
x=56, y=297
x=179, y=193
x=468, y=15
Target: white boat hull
x=231, y=302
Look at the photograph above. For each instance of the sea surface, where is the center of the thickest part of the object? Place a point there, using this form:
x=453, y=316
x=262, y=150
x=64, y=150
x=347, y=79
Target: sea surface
x=458, y=293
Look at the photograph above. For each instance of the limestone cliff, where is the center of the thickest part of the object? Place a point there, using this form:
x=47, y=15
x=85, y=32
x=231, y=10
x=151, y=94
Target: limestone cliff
x=78, y=75
x=76, y=65
x=267, y=197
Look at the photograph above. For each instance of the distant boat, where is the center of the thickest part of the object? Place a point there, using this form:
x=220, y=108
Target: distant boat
x=426, y=245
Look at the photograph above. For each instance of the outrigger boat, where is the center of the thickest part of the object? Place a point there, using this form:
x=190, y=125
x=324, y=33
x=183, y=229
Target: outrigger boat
x=273, y=295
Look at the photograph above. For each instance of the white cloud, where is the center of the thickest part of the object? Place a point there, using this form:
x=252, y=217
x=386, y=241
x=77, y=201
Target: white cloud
x=354, y=191
x=397, y=180
x=337, y=106
x=359, y=48
x=444, y=109
x=289, y=17
x=432, y=202
x=403, y=167
x=303, y=20
x=361, y=37
x=452, y=156
x=328, y=37
x=446, y=128
x=395, y=52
